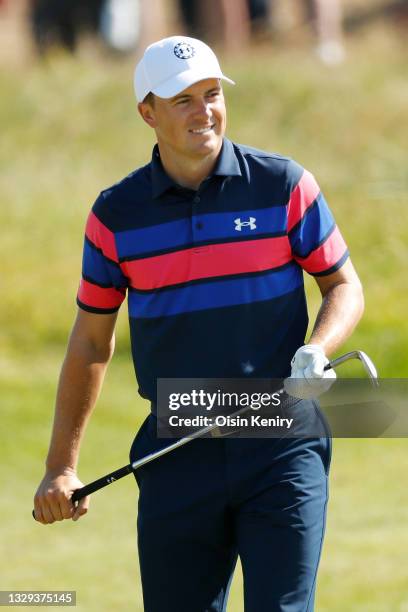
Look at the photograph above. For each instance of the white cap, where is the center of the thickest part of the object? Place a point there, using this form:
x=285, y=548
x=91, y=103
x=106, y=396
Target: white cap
x=171, y=65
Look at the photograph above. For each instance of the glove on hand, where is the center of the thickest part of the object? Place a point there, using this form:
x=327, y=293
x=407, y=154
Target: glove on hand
x=308, y=378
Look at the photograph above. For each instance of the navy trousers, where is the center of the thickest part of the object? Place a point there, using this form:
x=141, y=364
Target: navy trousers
x=216, y=498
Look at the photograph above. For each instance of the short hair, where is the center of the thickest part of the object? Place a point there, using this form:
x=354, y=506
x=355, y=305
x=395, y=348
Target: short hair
x=149, y=99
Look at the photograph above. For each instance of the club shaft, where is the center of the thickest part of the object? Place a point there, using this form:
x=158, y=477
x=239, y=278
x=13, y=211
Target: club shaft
x=197, y=434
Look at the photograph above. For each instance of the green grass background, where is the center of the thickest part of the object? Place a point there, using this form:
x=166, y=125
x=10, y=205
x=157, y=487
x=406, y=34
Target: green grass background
x=69, y=129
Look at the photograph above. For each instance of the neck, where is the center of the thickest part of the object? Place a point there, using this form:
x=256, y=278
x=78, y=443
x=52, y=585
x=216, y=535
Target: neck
x=186, y=171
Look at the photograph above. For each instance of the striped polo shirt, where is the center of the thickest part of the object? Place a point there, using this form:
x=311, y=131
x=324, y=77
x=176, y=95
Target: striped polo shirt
x=214, y=277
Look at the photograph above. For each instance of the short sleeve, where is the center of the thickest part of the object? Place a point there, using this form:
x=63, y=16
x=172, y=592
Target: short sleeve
x=103, y=285
x=316, y=242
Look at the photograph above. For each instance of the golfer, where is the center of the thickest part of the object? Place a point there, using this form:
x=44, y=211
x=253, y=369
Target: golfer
x=209, y=240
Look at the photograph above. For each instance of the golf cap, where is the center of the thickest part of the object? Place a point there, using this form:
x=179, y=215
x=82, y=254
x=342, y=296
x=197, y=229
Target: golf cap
x=172, y=64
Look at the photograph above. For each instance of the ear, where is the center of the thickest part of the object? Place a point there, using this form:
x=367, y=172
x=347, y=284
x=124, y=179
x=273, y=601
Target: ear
x=147, y=113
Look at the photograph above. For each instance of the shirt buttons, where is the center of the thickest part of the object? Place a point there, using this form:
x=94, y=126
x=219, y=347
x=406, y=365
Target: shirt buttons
x=199, y=225
x=196, y=199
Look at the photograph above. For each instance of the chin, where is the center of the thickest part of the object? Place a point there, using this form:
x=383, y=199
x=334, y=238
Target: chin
x=210, y=145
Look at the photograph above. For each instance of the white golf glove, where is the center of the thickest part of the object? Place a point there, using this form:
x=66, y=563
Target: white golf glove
x=308, y=378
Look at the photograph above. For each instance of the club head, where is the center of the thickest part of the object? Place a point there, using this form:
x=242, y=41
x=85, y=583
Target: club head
x=365, y=360
x=369, y=367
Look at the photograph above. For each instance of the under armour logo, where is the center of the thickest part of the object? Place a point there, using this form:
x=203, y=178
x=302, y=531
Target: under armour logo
x=110, y=479
x=240, y=224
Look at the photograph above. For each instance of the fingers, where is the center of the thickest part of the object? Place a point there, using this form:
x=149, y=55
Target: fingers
x=307, y=388
x=51, y=514
x=38, y=515
x=81, y=509
x=52, y=508
x=67, y=508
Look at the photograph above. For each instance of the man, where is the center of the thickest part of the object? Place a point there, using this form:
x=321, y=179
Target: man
x=209, y=239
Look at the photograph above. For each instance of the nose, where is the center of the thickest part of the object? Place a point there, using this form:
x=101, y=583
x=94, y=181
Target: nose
x=202, y=107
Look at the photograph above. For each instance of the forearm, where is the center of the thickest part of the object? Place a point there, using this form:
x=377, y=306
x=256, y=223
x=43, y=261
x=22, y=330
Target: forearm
x=80, y=382
x=341, y=310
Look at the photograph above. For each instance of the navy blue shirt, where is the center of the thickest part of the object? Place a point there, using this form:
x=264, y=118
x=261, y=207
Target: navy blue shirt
x=214, y=277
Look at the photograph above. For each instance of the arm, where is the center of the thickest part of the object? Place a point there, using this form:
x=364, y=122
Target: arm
x=317, y=245
x=90, y=349
x=341, y=309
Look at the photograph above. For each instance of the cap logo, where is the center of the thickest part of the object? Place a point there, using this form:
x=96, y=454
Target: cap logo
x=184, y=50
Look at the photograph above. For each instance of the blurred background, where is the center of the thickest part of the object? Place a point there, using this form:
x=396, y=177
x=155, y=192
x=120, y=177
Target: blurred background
x=322, y=81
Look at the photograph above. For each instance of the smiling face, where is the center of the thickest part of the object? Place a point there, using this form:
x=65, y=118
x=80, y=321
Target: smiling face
x=191, y=124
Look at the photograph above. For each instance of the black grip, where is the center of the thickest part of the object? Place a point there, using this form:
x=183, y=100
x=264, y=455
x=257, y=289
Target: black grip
x=99, y=484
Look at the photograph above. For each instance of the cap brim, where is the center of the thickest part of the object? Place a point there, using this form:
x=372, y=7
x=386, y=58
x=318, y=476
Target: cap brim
x=183, y=80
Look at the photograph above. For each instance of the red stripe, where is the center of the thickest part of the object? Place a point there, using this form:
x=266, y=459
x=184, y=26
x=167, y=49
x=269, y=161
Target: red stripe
x=208, y=261
x=303, y=195
x=99, y=297
x=326, y=256
x=101, y=237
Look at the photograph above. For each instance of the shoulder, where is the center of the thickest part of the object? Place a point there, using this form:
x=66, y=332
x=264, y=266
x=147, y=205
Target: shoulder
x=271, y=165
x=115, y=201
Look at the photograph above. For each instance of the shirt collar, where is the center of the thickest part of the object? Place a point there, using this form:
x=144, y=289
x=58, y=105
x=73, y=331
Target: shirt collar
x=227, y=162
x=161, y=181
x=227, y=165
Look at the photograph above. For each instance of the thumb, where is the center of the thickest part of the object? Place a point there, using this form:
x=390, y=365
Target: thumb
x=81, y=508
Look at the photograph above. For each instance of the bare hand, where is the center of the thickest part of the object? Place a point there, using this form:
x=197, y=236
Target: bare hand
x=52, y=501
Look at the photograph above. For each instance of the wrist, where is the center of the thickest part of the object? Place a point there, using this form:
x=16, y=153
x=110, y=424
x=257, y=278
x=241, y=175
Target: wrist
x=58, y=469
x=316, y=346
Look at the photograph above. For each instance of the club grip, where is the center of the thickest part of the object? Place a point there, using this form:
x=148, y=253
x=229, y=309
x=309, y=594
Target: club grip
x=100, y=483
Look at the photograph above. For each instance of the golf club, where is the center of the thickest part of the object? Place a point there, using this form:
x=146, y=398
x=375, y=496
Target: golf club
x=127, y=469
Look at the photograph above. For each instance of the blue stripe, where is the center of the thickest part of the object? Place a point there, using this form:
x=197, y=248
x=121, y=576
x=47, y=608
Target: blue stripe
x=101, y=270
x=316, y=225
x=214, y=227
x=153, y=238
x=204, y=296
